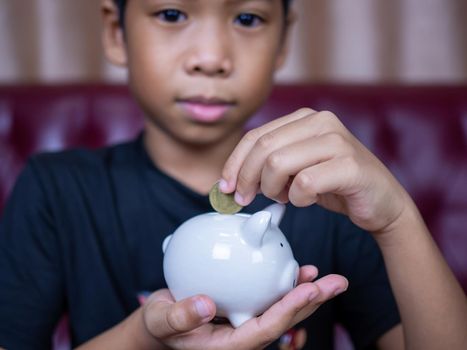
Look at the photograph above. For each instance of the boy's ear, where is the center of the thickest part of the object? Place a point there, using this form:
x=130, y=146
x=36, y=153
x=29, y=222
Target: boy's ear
x=284, y=45
x=113, y=38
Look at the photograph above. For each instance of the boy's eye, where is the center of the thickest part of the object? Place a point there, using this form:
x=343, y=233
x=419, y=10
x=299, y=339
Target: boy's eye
x=248, y=20
x=171, y=15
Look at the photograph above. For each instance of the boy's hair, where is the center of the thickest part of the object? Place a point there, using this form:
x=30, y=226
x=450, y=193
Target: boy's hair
x=122, y=4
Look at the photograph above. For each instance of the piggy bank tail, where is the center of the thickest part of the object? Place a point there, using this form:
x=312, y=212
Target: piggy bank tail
x=166, y=243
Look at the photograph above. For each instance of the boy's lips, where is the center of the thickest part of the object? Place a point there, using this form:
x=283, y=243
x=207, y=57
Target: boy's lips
x=205, y=110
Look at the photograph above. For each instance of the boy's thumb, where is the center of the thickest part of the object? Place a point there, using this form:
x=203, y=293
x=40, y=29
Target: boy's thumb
x=164, y=319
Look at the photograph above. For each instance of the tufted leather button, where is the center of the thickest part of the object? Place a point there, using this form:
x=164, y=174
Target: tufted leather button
x=114, y=118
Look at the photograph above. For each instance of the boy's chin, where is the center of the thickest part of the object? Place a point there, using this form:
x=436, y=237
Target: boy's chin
x=203, y=136
x=202, y=141
x=195, y=134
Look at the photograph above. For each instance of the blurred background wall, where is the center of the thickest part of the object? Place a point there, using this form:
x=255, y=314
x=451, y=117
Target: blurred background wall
x=344, y=41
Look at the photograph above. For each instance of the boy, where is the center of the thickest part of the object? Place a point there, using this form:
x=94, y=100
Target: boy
x=87, y=238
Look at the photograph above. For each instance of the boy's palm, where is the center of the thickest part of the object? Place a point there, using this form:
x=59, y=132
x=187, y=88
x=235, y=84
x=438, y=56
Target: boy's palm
x=178, y=325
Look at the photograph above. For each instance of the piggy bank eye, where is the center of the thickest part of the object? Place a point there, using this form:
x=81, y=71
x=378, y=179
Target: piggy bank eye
x=282, y=245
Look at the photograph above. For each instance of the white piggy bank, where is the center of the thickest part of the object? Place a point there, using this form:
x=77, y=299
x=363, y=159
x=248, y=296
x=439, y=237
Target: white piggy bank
x=243, y=262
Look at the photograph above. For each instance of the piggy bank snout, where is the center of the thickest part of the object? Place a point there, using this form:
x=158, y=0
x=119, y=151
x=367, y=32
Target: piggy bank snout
x=289, y=277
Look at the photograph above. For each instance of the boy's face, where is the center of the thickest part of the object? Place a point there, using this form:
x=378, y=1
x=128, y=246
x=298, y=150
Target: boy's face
x=200, y=68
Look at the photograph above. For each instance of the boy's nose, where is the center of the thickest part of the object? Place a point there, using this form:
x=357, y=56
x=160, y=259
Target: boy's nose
x=210, y=58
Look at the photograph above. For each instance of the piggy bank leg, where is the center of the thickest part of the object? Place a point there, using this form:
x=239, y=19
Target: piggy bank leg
x=237, y=319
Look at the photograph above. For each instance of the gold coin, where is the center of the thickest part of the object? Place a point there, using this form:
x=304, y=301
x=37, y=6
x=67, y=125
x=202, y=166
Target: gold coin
x=223, y=203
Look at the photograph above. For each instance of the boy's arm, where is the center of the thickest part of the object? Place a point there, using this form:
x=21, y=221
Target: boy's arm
x=432, y=305
x=309, y=157
x=163, y=323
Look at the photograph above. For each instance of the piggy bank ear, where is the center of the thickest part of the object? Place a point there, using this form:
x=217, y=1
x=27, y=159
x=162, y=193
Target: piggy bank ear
x=255, y=227
x=277, y=211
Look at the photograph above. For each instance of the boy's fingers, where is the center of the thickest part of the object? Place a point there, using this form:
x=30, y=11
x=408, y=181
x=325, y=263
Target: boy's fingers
x=291, y=309
x=161, y=294
x=261, y=331
x=269, y=152
x=291, y=143
x=307, y=273
x=321, y=291
x=165, y=319
x=337, y=176
x=280, y=167
x=238, y=156
x=329, y=287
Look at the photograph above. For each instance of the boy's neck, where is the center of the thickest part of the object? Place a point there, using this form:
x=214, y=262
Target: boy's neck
x=197, y=167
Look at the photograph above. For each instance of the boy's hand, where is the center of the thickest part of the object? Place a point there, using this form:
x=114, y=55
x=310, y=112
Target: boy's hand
x=310, y=157
x=186, y=324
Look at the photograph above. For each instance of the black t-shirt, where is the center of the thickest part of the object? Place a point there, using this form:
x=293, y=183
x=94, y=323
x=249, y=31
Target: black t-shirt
x=82, y=235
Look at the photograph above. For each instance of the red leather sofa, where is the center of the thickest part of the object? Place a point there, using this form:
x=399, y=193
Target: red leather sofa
x=420, y=133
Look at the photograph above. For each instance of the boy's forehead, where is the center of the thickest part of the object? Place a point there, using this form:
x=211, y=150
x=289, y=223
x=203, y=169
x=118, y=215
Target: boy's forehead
x=122, y=2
